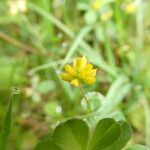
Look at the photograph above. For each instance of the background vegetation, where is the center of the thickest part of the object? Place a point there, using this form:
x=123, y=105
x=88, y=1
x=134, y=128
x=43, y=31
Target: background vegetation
x=37, y=37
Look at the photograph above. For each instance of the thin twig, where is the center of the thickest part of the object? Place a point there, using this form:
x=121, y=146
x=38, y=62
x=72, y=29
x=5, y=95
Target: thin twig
x=17, y=43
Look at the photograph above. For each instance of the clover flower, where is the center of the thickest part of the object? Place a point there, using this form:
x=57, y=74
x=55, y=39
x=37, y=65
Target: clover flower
x=17, y=6
x=80, y=72
x=96, y=4
x=130, y=8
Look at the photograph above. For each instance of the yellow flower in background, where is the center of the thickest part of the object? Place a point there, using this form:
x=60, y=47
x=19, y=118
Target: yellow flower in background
x=16, y=6
x=130, y=8
x=106, y=16
x=96, y=4
x=80, y=72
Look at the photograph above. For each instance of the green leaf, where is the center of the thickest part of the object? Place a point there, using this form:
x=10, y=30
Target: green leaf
x=74, y=135
x=138, y=147
x=125, y=136
x=117, y=115
x=99, y=32
x=47, y=145
x=96, y=100
x=46, y=86
x=82, y=6
x=105, y=134
x=4, y=136
x=71, y=135
x=90, y=17
x=52, y=109
x=84, y=31
x=118, y=90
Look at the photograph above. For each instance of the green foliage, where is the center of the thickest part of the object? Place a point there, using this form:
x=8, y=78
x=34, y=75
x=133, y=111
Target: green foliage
x=52, y=109
x=74, y=135
x=46, y=86
x=46, y=145
x=35, y=45
x=137, y=147
x=5, y=131
x=90, y=17
x=124, y=137
x=71, y=135
x=96, y=100
x=106, y=132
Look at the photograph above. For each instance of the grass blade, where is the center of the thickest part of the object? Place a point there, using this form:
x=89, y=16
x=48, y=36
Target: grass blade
x=119, y=89
x=51, y=18
x=76, y=43
x=147, y=121
x=4, y=137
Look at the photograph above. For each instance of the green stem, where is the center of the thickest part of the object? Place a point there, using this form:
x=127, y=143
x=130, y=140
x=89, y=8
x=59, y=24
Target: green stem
x=109, y=52
x=139, y=41
x=84, y=94
x=147, y=120
x=85, y=97
x=119, y=23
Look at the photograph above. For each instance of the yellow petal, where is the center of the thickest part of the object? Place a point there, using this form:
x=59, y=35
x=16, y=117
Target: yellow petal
x=89, y=66
x=80, y=63
x=96, y=5
x=69, y=69
x=66, y=77
x=75, y=82
x=130, y=8
x=82, y=73
x=91, y=72
x=90, y=80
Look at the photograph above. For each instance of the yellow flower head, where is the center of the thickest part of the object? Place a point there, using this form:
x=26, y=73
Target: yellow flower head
x=17, y=6
x=96, y=4
x=80, y=72
x=130, y=8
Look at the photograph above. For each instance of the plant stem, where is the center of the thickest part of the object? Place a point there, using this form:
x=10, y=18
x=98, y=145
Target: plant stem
x=107, y=45
x=84, y=94
x=85, y=97
x=17, y=43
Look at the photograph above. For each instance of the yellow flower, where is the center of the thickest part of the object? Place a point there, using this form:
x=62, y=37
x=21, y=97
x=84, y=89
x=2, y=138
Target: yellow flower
x=106, y=16
x=17, y=6
x=80, y=72
x=130, y=8
x=96, y=4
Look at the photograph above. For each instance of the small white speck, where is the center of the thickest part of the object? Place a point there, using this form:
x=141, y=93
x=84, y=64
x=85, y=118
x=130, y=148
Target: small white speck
x=59, y=35
x=58, y=109
x=64, y=44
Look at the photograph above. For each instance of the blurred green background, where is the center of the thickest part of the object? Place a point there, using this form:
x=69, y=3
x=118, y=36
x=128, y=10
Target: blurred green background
x=37, y=37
